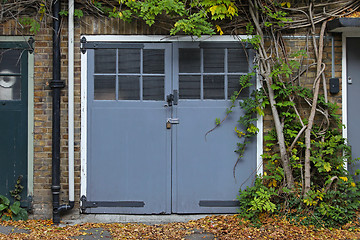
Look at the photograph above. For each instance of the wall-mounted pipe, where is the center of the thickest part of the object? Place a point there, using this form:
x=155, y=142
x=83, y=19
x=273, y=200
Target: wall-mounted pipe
x=56, y=85
x=332, y=57
x=71, y=99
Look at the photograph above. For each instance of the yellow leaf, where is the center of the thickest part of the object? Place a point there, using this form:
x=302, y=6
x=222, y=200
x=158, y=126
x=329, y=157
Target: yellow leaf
x=213, y=9
x=327, y=167
x=218, y=29
x=345, y=179
x=273, y=183
x=120, y=14
x=286, y=3
x=353, y=184
x=231, y=10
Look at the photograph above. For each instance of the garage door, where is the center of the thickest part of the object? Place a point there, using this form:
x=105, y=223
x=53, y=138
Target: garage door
x=149, y=108
x=353, y=88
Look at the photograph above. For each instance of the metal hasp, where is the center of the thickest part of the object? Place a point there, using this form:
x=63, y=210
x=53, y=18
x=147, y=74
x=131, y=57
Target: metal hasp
x=173, y=120
x=56, y=85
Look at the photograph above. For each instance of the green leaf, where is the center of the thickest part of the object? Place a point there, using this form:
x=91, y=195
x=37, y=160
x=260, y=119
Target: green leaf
x=78, y=13
x=217, y=121
x=64, y=13
x=4, y=200
x=3, y=207
x=23, y=214
x=15, y=207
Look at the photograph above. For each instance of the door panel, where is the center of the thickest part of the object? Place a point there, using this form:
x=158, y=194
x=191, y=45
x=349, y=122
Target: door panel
x=203, y=167
x=129, y=145
x=203, y=179
x=353, y=90
x=135, y=157
x=13, y=120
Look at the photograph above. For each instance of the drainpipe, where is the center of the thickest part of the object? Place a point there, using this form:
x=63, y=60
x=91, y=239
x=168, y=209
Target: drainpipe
x=332, y=57
x=56, y=85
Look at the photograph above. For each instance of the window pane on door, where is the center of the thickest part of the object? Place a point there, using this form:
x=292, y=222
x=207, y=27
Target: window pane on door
x=189, y=60
x=214, y=60
x=104, y=88
x=189, y=87
x=10, y=87
x=153, y=60
x=153, y=88
x=234, y=85
x=10, y=61
x=129, y=88
x=237, y=61
x=129, y=60
x=214, y=87
x=105, y=60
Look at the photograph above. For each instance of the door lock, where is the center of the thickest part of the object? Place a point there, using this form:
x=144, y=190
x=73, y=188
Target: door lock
x=172, y=98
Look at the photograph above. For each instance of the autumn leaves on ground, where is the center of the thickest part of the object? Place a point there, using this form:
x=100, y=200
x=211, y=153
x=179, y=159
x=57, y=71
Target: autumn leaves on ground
x=221, y=227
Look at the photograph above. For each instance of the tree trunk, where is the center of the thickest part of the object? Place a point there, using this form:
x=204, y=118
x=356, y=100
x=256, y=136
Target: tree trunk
x=280, y=137
x=312, y=113
x=265, y=69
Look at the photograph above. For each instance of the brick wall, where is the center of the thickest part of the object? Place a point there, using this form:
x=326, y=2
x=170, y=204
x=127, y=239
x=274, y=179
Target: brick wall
x=43, y=100
x=296, y=43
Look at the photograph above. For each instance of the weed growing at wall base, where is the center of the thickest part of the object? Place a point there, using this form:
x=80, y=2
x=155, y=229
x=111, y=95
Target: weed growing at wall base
x=13, y=211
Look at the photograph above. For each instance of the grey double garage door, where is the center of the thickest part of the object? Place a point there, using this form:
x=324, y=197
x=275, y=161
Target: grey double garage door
x=150, y=106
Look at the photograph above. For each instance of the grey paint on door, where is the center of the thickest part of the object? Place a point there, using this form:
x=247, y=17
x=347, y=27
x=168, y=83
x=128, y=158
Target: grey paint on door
x=353, y=90
x=135, y=157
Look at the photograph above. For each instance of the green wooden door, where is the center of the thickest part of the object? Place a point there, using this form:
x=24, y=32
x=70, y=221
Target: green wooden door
x=13, y=116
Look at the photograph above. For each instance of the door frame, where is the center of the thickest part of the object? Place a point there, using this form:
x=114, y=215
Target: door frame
x=30, y=115
x=344, y=76
x=152, y=39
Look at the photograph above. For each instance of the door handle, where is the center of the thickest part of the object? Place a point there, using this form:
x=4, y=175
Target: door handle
x=172, y=98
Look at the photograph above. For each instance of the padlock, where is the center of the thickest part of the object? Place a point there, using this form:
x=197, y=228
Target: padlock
x=168, y=125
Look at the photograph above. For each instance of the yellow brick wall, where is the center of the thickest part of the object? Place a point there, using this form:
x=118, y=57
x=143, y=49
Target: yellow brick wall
x=43, y=99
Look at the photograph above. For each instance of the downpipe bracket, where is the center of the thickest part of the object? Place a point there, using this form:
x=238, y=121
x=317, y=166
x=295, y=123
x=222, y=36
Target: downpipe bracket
x=56, y=84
